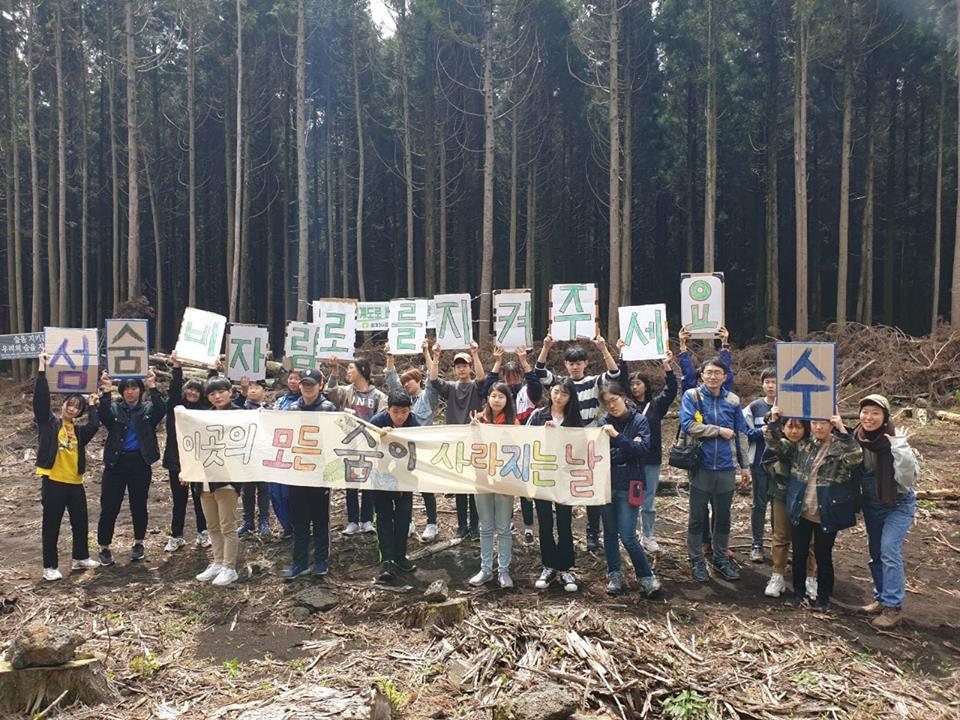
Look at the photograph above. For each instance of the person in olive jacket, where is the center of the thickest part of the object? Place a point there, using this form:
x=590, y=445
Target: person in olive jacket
x=61, y=462
x=130, y=451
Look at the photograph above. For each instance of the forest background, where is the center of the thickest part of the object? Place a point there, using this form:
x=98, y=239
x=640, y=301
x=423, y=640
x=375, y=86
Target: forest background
x=248, y=156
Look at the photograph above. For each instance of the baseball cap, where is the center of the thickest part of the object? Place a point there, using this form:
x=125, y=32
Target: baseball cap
x=879, y=400
x=462, y=357
x=311, y=376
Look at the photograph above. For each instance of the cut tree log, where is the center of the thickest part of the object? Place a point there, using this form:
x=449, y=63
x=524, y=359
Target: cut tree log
x=445, y=614
x=948, y=416
x=82, y=680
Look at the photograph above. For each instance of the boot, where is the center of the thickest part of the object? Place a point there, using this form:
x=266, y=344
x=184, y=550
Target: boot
x=888, y=619
x=874, y=608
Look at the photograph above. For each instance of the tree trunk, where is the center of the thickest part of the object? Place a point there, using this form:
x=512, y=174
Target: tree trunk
x=358, y=114
x=331, y=203
x=238, y=175
x=800, y=171
x=613, y=126
x=691, y=170
x=158, y=256
x=53, y=273
x=442, y=164
x=846, y=152
x=514, y=179
x=429, y=173
x=16, y=279
x=228, y=176
x=865, y=289
x=489, y=158
x=407, y=144
x=303, y=249
x=772, y=203
x=244, y=285
x=85, y=249
x=191, y=163
x=710, y=178
x=531, y=244
x=344, y=229
x=64, y=294
x=955, y=281
x=114, y=163
x=938, y=219
x=890, y=206
x=626, y=207
x=133, y=157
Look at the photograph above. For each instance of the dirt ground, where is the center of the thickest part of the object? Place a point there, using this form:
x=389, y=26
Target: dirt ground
x=174, y=648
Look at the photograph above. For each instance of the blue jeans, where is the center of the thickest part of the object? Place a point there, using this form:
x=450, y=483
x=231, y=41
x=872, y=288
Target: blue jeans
x=887, y=527
x=648, y=513
x=495, y=513
x=620, y=526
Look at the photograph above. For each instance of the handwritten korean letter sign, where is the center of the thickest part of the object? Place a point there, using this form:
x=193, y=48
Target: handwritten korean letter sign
x=408, y=326
x=201, y=334
x=807, y=379
x=247, y=349
x=73, y=366
x=453, y=317
x=300, y=346
x=336, y=322
x=573, y=311
x=513, y=318
x=644, y=330
x=701, y=303
x=128, y=348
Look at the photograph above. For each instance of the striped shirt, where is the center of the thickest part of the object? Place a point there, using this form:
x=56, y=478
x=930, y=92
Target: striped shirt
x=588, y=391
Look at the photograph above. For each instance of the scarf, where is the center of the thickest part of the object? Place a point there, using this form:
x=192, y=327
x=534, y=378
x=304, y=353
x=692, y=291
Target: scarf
x=878, y=443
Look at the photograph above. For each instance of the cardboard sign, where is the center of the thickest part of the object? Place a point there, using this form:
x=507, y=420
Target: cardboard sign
x=128, y=348
x=300, y=346
x=21, y=346
x=573, y=311
x=807, y=379
x=248, y=347
x=645, y=332
x=201, y=334
x=73, y=365
x=336, y=322
x=408, y=326
x=373, y=316
x=513, y=319
x=453, y=315
x=701, y=304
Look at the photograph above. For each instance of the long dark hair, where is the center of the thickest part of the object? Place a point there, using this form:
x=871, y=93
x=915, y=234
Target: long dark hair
x=646, y=387
x=571, y=413
x=509, y=410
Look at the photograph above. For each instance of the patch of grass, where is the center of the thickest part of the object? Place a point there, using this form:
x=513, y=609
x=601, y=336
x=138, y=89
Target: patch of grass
x=398, y=700
x=192, y=596
x=145, y=665
x=297, y=665
x=804, y=678
x=688, y=705
x=232, y=666
x=927, y=504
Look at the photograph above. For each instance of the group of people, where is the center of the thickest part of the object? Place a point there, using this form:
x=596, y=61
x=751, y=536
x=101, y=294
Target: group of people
x=815, y=475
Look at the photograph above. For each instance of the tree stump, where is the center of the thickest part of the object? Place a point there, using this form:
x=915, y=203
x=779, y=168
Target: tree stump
x=34, y=688
x=444, y=614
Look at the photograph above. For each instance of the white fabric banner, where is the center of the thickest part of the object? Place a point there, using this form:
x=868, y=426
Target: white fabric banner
x=336, y=450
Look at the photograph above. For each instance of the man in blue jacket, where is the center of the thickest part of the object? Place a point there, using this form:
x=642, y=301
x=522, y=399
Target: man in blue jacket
x=712, y=416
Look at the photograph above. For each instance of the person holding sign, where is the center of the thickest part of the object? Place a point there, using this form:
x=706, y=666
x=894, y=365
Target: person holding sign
x=191, y=395
x=629, y=434
x=556, y=552
x=131, y=448
x=61, y=462
x=820, y=496
x=712, y=416
x=464, y=398
x=256, y=496
x=363, y=400
x=424, y=398
x=588, y=394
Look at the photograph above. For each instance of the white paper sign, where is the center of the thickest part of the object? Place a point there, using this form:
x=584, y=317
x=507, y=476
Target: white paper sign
x=701, y=304
x=453, y=315
x=336, y=322
x=73, y=364
x=128, y=348
x=201, y=334
x=300, y=346
x=645, y=332
x=247, y=349
x=513, y=318
x=373, y=316
x=408, y=326
x=573, y=311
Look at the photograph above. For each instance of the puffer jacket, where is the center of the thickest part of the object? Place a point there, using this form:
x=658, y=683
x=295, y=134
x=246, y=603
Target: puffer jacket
x=703, y=415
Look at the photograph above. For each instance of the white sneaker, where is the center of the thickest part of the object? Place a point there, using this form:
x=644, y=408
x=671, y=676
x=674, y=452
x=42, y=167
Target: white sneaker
x=367, y=527
x=505, y=580
x=412, y=531
x=775, y=586
x=430, y=532
x=52, y=574
x=649, y=585
x=812, y=588
x=203, y=539
x=85, y=564
x=547, y=576
x=568, y=581
x=481, y=578
x=649, y=544
x=351, y=529
x=213, y=569
x=174, y=544
x=226, y=576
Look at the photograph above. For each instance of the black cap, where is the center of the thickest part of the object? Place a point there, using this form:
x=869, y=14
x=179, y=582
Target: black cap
x=311, y=376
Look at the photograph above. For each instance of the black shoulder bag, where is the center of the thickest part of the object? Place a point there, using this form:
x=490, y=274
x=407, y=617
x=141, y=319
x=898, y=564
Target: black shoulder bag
x=685, y=454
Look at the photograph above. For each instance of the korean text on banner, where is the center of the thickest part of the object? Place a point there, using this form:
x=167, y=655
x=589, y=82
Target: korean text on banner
x=336, y=322
x=21, y=346
x=453, y=316
x=73, y=364
x=807, y=379
x=248, y=347
x=300, y=346
x=373, y=316
x=336, y=450
x=701, y=304
x=573, y=311
x=201, y=334
x=128, y=348
x=513, y=318
x=645, y=332
x=408, y=326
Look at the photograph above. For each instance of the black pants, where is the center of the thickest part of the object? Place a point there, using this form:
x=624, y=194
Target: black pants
x=556, y=554
x=800, y=535
x=310, y=514
x=594, y=512
x=131, y=474
x=55, y=498
x=465, y=502
x=526, y=510
x=359, y=506
x=394, y=510
x=179, y=494
x=430, y=505
x=255, y=496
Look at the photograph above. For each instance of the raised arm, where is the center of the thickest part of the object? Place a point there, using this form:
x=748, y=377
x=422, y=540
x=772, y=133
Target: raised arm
x=41, y=393
x=727, y=357
x=105, y=407
x=668, y=393
x=390, y=375
x=613, y=370
x=160, y=409
x=477, y=363
x=175, y=392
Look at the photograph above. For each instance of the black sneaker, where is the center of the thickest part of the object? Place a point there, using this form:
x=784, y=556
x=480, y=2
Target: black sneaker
x=405, y=565
x=462, y=532
x=474, y=534
x=700, y=571
x=136, y=553
x=593, y=541
x=727, y=571
x=387, y=573
x=822, y=605
x=106, y=557
x=796, y=601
